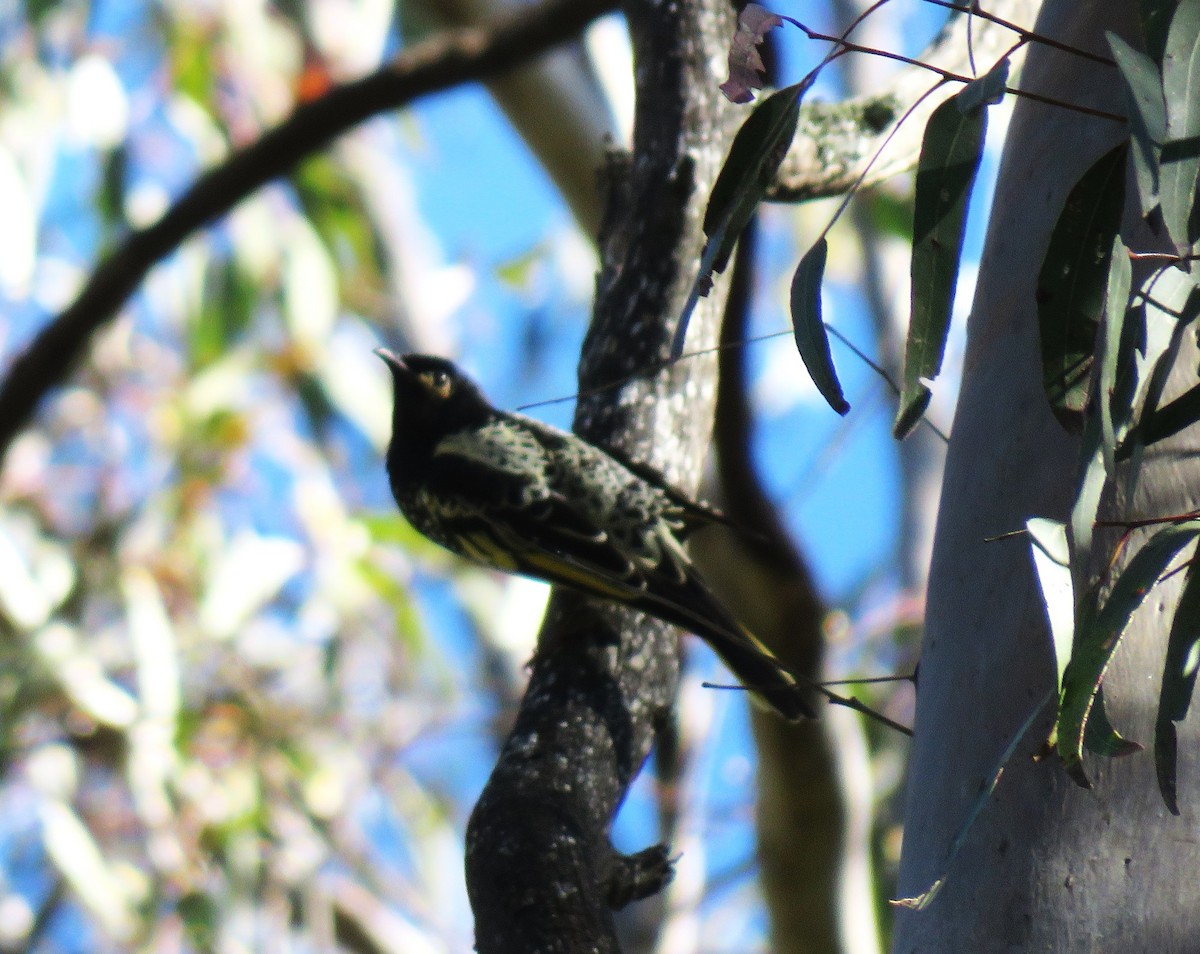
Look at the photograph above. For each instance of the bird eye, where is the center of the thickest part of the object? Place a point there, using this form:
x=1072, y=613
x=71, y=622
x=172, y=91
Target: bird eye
x=439, y=383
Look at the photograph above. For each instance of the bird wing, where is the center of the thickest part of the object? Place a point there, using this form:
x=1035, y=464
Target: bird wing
x=514, y=520
x=509, y=510
x=498, y=506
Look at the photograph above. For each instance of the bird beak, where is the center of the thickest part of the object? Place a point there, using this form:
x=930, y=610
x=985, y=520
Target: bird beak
x=391, y=359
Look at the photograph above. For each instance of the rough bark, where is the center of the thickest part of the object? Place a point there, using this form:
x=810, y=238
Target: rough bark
x=1048, y=866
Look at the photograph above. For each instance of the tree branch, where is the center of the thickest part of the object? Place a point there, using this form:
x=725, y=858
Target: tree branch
x=541, y=872
x=441, y=63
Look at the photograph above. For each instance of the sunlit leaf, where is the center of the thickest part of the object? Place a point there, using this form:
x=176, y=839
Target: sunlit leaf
x=1096, y=642
x=809, y=328
x=82, y=678
x=310, y=289
x=334, y=205
x=155, y=646
x=1116, y=307
x=81, y=861
x=1052, y=562
x=1181, y=151
x=758, y=149
x=189, y=46
x=355, y=382
x=1073, y=281
x=22, y=602
x=950, y=154
x=1089, y=486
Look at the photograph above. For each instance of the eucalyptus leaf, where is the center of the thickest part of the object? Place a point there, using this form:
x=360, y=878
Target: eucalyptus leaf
x=950, y=154
x=1100, y=737
x=1160, y=359
x=1095, y=642
x=1052, y=563
x=1181, y=152
x=749, y=169
x=811, y=338
x=1142, y=88
x=1116, y=306
x=1089, y=487
x=1073, y=281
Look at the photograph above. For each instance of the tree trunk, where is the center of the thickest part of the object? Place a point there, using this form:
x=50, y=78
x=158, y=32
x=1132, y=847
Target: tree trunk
x=1048, y=866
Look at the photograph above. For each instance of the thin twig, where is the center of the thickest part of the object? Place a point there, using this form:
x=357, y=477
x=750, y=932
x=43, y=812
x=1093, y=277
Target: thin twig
x=947, y=76
x=882, y=372
x=1029, y=36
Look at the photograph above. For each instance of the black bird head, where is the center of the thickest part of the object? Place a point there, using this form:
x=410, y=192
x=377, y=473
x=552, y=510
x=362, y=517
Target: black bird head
x=433, y=399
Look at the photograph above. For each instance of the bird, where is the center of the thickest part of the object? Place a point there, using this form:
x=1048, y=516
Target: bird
x=517, y=495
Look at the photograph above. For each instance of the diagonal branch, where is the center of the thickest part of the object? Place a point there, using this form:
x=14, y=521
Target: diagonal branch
x=541, y=872
x=440, y=63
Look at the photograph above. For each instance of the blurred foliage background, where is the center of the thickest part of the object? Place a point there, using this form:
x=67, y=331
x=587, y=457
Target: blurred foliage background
x=243, y=707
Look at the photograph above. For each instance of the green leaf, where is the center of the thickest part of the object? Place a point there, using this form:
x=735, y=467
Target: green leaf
x=38, y=10
x=200, y=917
x=811, y=337
x=1141, y=86
x=950, y=154
x=110, y=199
x=1089, y=487
x=1179, y=679
x=890, y=213
x=226, y=311
x=757, y=150
x=334, y=205
x=1099, y=736
x=1073, y=281
x=1116, y=306
x=1181, y=152
x=1096, y=641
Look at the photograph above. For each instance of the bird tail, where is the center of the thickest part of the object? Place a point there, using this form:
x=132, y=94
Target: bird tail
x=756, y=668
x=690, y=604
